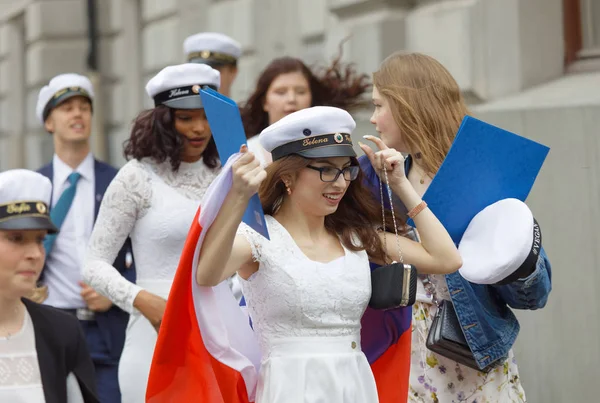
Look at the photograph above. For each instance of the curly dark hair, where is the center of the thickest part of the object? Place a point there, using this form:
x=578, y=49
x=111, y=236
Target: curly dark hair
x=338, y=85
x=153, y=135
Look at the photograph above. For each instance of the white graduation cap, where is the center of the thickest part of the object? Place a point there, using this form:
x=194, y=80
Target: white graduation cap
x=24, y=200
x=212, y=48
x=320, y=131
x=59, y=89
x=501, y=244
x=179, y=86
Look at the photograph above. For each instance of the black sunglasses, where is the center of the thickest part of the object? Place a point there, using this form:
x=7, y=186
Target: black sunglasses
x=331, y=174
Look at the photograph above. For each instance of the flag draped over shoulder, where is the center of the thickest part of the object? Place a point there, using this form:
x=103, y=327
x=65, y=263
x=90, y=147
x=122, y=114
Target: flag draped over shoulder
x=206, y=350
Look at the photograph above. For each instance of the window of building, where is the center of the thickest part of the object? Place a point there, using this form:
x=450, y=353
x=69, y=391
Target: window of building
x=582, y=34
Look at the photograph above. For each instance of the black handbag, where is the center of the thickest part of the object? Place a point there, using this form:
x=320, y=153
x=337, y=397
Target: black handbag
x=393, y=285
x=446, y=337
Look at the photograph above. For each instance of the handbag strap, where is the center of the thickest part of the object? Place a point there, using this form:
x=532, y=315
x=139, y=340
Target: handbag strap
x=426, y=280
x=430, y=288
x=401, y=257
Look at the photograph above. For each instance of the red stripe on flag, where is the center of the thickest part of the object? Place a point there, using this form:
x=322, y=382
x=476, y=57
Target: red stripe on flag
x=182, y=369
x=392, y=371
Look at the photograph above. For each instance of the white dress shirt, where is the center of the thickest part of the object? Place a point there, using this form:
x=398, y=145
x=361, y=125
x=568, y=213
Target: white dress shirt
x=65, y=261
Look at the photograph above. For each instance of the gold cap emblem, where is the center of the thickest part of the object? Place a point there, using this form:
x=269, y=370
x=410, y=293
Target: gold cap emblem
x=41, y=208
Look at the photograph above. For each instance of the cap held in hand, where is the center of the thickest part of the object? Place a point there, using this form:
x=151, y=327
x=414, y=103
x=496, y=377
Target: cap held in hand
x=501, y=244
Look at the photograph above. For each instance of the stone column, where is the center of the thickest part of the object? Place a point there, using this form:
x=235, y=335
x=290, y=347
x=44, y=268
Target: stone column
x=12, y=93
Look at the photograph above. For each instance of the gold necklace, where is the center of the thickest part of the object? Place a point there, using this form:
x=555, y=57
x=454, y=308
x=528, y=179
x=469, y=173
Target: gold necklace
x=425, y=174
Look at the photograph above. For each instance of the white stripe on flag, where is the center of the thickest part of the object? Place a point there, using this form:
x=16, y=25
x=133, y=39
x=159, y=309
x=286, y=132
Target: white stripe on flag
x=224, y=325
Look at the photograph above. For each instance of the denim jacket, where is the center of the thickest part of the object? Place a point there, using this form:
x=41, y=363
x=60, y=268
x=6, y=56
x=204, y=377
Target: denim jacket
x=489, y=325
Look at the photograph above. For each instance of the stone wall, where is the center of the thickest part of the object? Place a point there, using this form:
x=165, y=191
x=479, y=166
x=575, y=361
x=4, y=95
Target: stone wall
x=487, y=44
x=507, y=56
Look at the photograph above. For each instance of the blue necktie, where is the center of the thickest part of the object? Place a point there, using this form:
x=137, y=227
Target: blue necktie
x=59, y=212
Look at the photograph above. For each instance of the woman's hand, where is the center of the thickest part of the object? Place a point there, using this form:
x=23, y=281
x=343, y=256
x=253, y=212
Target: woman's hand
x=94, y=301
x=386, y=158
x=151, y=306
x=248, y=174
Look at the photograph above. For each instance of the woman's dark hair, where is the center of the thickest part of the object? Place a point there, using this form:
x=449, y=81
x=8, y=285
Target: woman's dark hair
x=356, y=219
x=153, y=135
x=338, y=85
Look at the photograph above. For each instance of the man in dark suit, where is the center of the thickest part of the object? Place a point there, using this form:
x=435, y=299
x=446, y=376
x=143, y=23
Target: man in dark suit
x=79, y=181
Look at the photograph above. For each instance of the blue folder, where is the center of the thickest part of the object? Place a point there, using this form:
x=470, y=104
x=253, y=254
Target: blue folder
x=484, y=165
x=228, y=131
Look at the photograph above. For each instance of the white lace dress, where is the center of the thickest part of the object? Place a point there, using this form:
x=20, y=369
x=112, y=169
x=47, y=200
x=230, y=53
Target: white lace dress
x=155, y=207
x=306, y=316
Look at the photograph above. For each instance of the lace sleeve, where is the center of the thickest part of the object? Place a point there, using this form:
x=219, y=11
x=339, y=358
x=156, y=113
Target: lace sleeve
x=253, y=239
x=126, y=200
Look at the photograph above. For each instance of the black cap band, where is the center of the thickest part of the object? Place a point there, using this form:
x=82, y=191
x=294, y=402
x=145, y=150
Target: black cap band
x=179, y=92
x=530, y=262
x=22, y=209
x=210, y=56
x=26, y=215
x=309, y=143
x=63, y=95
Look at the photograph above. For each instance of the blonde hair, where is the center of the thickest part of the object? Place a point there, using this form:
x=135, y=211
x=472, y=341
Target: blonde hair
x=426, y=104
x=38, y=294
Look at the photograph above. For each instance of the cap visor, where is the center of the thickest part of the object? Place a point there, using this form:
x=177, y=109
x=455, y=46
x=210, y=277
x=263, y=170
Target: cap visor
x=29, y=223
x=191, y=102
x=212, y=63
x=71, y=94
x=335, y=150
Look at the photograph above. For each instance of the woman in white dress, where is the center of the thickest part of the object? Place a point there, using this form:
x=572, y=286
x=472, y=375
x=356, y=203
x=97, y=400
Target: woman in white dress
x=43, y=353
x=152, y=200
x=308, y=287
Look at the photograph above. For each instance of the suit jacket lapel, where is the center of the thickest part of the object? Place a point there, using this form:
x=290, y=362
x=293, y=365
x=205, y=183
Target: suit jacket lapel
x=48, y=172
x=102, y=179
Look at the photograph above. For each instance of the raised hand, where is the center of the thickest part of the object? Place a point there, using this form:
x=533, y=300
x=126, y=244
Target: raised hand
x=248, y=174
x=386, y=158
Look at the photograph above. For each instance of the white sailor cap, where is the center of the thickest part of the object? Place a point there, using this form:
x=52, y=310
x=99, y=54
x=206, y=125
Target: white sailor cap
x=59, y=89
x=179, y=86
x=24, y=200
x=501, y=244
x=211, y=48
x=320, y=131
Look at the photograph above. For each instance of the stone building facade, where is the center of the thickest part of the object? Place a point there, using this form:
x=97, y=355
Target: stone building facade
x=509, y=57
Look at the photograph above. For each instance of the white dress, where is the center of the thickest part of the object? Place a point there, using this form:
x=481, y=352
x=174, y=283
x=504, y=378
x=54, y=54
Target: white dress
x=155, y=207
x=306, y=316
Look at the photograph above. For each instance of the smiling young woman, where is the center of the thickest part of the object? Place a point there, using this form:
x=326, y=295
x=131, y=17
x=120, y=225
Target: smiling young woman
x=152, y=200
x=308, y=286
